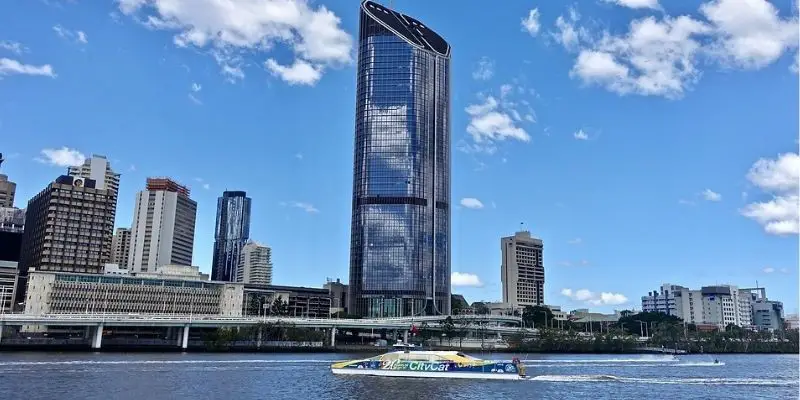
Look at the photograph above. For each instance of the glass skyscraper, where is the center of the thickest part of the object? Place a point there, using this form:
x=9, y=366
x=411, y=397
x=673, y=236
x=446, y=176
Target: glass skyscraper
x=400, y=233
x=231, y=233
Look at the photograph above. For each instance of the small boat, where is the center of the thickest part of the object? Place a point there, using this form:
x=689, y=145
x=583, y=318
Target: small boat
x=431, y=364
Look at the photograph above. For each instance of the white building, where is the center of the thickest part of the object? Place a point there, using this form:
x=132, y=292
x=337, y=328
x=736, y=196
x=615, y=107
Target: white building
x=255, y=264
x=162, y=232
x=59, y=292
x=522, y=270
x=719, y=305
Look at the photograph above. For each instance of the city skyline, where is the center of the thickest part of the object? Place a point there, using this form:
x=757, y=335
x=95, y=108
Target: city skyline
x=628, y=184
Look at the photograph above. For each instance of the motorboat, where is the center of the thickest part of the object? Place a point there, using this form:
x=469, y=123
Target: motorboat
x=431, y=364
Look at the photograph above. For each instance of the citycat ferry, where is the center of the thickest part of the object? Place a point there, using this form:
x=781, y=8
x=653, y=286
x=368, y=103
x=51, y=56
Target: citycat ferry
x=431, y=364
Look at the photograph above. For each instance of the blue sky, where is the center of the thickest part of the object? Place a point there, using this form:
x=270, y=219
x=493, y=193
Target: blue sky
x=643, y=142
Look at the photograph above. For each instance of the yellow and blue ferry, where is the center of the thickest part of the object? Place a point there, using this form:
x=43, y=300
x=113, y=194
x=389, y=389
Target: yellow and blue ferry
x=431, y=364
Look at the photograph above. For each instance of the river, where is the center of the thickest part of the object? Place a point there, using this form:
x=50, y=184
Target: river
x=150, y=376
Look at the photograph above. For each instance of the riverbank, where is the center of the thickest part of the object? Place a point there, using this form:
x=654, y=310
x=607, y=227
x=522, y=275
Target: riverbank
x=350, y=349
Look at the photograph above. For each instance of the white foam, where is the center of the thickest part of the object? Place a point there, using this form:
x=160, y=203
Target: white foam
x=664, y=381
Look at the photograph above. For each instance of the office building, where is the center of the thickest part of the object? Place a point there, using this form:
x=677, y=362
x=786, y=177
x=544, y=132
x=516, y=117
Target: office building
x=522, y=270
x=8, y=284
x=230, y=235
x=65, y=228
x=255, y=264
x=121, y=247
x=766, y=314
x=400, y=229
x=338, y=292
x=719, y=305
x=7, y=188
x=162, y=232
x=98, y=168
x=50, y=292
x=12, y=219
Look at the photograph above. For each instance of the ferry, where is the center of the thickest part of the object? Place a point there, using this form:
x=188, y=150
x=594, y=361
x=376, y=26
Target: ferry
x=410, y=363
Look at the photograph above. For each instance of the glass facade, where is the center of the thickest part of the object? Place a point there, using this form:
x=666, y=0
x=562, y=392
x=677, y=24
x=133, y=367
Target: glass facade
x=230, y=235
x=400, y=233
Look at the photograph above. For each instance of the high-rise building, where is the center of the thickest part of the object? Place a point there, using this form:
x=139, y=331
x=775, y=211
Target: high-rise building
x=255, y=264
x=65, y=227
x=7, y=189
x=121, y=247
x=162, y=232
x=99, y=169
x=231, y=233
x=400, y=232
x=522, y=270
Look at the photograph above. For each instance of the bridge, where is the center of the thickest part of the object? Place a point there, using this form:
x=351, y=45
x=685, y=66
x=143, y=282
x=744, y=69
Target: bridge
x=489, y=323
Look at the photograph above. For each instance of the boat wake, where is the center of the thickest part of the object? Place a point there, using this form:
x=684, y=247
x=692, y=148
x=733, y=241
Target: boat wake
x=663, y=381
x=149, y=362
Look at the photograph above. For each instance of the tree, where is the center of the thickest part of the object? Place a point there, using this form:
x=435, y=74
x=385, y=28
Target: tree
x=457, y=303
x=480, y=308
x=462, y=329
x=537, y=316
x=633, y=323
x=448, y=328
x=279, y=307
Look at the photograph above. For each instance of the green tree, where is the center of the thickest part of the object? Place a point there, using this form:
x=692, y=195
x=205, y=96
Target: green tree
x=537, y=316
x=480, y=308
x=448, y=328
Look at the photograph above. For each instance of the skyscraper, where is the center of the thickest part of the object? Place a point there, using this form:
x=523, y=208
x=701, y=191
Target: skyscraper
x=64, y=228
x=522, y=270
x=255, y=264
x=400, y=233
x=162, y=232
x=98, y=169
x=121, y=247
x=231, y=233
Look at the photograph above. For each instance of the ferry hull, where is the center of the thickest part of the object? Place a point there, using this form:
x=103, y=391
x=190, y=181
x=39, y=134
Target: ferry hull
x=427, y=374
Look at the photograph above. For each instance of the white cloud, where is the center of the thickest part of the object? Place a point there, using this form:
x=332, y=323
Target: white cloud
x=769, y=270
x=488, y=124
x=580, y=135
x=465, y=279
x=660, y=56
x=749, y=33
x=531, y=23
x=795, y=67
x=636, y=3
x=653, y=58
x=194, y=99
x=484, y=70
x=299, y=73
x=196, y=87
x=12, y=67
x=781, y=179
x=595, y=299
x=230, y=29
x=14, y=47
x=575, y=241
x=711, y=195
x=686, y=202
x=471, y=202
x=298, y=156
x=63, y=157
x=77, y=36
x=206, y=186
x=307, y=207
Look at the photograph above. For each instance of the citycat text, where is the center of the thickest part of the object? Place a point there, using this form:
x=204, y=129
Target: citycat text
x=415, y=365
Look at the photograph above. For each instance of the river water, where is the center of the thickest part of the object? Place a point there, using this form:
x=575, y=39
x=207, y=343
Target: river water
x=148, y=376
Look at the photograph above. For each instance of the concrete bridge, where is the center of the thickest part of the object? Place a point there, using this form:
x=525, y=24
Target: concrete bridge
x=97, y=322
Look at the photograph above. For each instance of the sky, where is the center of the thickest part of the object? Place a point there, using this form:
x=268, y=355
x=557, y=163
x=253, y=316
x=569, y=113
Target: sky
x=644, y=141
